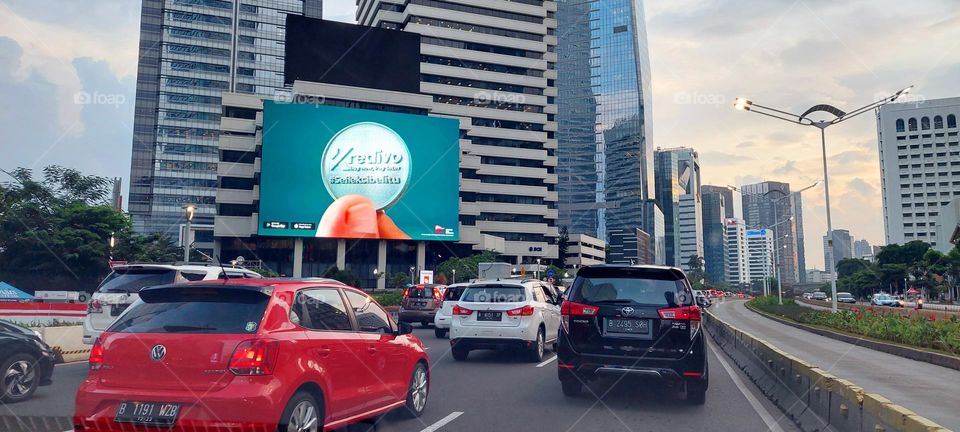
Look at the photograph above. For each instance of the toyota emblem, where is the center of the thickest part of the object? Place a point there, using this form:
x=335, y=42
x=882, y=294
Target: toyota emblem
x=158, y=352
x=627, y=311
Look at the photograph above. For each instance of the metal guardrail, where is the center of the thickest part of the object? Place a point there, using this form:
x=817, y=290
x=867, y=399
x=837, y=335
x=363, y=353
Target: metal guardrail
x=812, y=398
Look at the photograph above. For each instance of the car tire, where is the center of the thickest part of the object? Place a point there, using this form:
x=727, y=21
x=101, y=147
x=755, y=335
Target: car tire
x=301, y=408
x=535, y=354
x=459, y=354
x=572, y=386
x=417, y=392
x=425, y=324
x=24, y=369
x=696, y=392
x=439, y=332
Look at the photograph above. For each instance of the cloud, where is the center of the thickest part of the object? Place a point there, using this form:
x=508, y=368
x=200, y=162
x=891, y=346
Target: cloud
x=860, y=186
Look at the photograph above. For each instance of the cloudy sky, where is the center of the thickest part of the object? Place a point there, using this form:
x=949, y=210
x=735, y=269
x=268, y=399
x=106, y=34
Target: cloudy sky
x=70, y=68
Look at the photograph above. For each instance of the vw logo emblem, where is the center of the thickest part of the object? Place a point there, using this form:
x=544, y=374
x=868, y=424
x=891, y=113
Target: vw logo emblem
x=158, y=352
x=627, y=311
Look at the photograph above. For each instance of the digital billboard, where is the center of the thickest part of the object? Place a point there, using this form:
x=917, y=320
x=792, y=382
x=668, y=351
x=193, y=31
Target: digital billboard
x=337, y=172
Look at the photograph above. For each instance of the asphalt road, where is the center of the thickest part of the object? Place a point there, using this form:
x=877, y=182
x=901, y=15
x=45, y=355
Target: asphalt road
x=927, y=389
x=492, y=391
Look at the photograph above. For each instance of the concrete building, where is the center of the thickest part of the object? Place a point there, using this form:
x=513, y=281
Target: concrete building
x=862, y=249
x=919, y=166
x=190, y=52
x=495, y=70
x=771, y=203
x=760, y=259
x=796, y=202
x=654, y=224
x=627, y=246
x=842, y=248
x=584, y=250
x=603, y=114
x=677, y=175
x=714, y=230
x=815, y=276
x=735, y=239
x=948, y=227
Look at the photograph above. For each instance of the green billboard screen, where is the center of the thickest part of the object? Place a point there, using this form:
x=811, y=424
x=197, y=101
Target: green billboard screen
x=339, y=172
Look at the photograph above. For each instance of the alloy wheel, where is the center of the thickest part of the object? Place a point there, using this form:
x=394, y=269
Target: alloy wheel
x=418, y=389
x=303, y=418
x=18, y=379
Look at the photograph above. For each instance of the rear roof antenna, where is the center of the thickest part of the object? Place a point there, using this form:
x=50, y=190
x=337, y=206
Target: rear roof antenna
x=223, y=270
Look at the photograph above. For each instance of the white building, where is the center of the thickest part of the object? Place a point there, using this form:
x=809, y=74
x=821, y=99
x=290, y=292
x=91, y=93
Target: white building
x=494, y=68
x=759, y=254
x=920, y=166
x=815, y=276
x=677, y=178
x=948, y=226
x=735, y=248
x=584, y=250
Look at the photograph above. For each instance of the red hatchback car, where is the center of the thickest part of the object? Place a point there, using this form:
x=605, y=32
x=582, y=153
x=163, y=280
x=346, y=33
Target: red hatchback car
x=254, y=354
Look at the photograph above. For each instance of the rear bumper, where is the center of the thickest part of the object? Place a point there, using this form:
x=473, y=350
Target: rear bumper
x=441, y=321
x=490, y=343
x=691, y=366
x=412, y=315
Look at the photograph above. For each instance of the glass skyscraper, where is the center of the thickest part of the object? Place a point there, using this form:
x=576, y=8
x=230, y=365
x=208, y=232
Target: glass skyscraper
x=190, y=52
x=604, y=117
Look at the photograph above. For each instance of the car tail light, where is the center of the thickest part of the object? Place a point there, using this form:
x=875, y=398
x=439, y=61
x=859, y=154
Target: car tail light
x=94, y=307
x=521, y=311
x=255, y=357
x=457, y=310
x=686, y=313
x=96, y=355
x=437, y=295
x=406, y=292
x=569, y=308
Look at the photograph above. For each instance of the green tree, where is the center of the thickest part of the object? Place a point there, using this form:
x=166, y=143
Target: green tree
x=397, y=280
x=563, y=245
x=695, y=273
x=849, y=266
x=467, y=267
x=345, y=276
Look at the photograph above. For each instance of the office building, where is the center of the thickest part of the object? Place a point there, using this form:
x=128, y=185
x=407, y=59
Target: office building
x=624, y=246
x=735, y=239
x=770, y=205
x=815, y=276
x=842, y=248
x=948, y=227
x=495, y=70
x=603, y=115
x=862, y=249
x=677, y=178
x=760, y=257
x=919, y=166
x=653, y=222
x=190, y=52
x=714, y=230
x=797, y=202
x=584, y=250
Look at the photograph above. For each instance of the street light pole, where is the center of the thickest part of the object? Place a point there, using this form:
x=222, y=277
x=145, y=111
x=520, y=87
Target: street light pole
x=188, y=211
x=804, y=120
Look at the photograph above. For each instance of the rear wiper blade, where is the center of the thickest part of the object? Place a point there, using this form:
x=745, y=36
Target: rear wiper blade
x=185, y=328
x=617, y=301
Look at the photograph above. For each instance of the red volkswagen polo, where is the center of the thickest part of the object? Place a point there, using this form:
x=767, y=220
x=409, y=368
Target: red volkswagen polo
x=255, y=354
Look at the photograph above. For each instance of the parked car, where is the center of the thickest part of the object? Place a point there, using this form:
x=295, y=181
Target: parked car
x=518, y=314
x=820, y=295
x=121, y=288
x=441, y=321
x=638, y=321
x=845, y=297
x=26, y=362
x=884, y=300
x=251, y=354
x=420, y=303
x=808, y=296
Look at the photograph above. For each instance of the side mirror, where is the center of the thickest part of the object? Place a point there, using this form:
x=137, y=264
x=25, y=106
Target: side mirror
x=404, y=328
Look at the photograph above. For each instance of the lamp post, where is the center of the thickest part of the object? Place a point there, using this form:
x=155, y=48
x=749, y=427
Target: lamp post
x=412, y=280
x=454, y=275
x=536, y=274
x=188, y=211
x=803, y=120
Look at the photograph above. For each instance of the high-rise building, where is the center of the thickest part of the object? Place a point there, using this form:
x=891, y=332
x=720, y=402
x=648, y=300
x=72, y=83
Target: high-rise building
x=842, y=248
x=714, y=231
x=495, y=70
x=797, y=202
x=919, y=166
x=948, y=227
x=190, y=52
x=735, y=237
x=628, y=246
x=653, y=221
x=603, y=115
x=862, y=249
x=677, y=174
x=760, y=256
x=777, y=212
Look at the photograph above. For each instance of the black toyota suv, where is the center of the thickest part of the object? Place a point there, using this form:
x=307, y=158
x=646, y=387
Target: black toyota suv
x=639, y=321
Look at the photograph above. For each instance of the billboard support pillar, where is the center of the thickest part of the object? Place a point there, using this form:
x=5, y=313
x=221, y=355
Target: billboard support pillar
x=421, y=254
x=341, y=254
x=298, y=257
x=382, y=264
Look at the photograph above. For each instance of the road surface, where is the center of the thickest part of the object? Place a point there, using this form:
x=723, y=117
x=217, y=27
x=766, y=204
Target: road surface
x=927, y=389
x=494, y=392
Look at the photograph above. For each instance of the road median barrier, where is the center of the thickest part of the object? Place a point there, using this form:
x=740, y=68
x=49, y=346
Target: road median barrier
x=812, y=398
x=66, y=341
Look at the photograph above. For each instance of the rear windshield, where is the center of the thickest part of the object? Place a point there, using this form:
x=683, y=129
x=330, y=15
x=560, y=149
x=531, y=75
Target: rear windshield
x=453, y=293
x=843, y=294
x=420, y=292
x=494, y=294
x=134, y=280
x=194, y=310
x=630, y=290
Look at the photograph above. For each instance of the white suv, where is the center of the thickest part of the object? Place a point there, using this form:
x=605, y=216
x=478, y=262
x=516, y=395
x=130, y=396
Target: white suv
x=441, y=321
x=508, y=313
x=122, y=287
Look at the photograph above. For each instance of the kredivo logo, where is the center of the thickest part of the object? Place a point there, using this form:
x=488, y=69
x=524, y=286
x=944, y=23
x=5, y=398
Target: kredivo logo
x=367, y=159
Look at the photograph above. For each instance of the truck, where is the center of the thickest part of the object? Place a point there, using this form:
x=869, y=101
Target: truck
x=61, y=296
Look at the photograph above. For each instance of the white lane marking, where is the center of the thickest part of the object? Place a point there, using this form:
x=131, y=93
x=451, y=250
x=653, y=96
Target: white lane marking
x=757, y=406
x=547, y=361
x=442, y=422
x=426, y=348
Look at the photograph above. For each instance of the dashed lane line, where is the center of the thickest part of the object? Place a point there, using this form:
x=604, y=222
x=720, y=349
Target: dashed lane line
x=547, y=361
x=443, y=422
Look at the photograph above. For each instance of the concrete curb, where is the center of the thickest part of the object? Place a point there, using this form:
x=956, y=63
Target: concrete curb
x=812, y=398
x=931, y=357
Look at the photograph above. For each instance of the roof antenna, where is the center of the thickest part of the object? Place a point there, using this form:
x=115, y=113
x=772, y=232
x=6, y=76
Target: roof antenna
x=222, y=269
